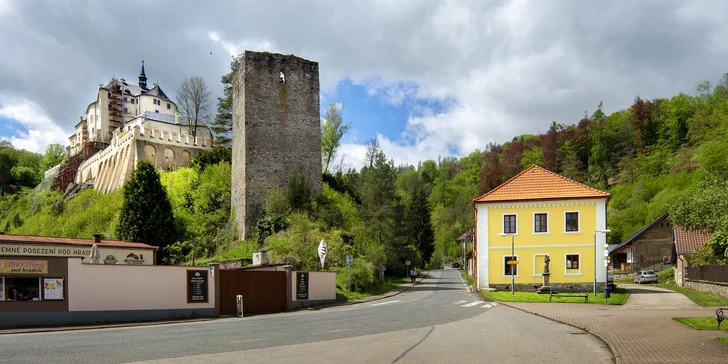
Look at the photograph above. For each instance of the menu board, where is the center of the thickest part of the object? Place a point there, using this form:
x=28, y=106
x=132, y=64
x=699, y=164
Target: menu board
x=197, y=286
x=302, y=285
x=2, y=289
x=52, y=288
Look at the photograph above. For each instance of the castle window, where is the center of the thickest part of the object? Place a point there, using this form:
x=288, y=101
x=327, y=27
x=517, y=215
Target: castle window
x=125, y=99
x=126, y=111
x=169, y=107
x=282, y=77
x=132, y=101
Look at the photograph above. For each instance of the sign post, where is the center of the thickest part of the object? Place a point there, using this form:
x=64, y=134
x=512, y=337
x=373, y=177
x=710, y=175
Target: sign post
x=349, y=260
x=407, y=263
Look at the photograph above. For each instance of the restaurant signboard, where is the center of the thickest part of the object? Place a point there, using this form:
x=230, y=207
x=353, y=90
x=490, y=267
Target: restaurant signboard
x=197, y=286
x=13, y=266
x=110, y=255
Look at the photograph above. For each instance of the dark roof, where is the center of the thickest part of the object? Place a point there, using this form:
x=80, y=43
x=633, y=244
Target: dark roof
x=636, y=234
x=156, y=91
x=688, y=241
x=24, y=239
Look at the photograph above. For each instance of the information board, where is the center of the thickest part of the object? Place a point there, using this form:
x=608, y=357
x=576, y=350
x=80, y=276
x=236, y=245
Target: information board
x=53, y=288
x=197, y=286
x=302, y=285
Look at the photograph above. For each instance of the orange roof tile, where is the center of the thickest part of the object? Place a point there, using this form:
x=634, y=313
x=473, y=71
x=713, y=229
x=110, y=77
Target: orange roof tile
x=688, y=241
x=536, y=183
x=24, y=239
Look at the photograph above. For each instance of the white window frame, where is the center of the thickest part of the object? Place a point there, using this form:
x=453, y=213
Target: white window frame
x=535, y=267
x=566, y=271
x=548, y=223
x=518, y=268
x=578, y=212
x=503, y=222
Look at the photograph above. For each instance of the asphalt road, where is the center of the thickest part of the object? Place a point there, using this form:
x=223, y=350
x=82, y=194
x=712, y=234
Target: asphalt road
x=396, y=325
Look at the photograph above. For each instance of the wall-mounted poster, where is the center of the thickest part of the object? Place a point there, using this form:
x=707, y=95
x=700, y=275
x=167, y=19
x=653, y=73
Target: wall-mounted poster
x=2, y=289
x=197, y=286
x=302, y=285
x=53, y=288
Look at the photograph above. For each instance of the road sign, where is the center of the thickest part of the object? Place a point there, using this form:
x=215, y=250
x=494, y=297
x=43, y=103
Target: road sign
x=349, y=259
x=512, y=262
x=407, y=262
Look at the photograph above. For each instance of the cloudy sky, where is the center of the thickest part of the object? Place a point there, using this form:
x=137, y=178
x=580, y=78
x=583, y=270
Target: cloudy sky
x=426, y=78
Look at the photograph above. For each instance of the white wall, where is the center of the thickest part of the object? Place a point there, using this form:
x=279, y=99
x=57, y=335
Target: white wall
x=321, y=286
x=102, y=287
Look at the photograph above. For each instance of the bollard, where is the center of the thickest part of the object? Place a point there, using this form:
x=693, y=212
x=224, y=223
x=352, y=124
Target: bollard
x=240, y=305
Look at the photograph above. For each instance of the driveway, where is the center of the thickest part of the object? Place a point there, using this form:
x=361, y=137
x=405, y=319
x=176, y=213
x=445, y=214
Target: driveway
x=643, y=296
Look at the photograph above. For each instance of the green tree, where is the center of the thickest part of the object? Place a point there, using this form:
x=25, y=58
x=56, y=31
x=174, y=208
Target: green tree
x=332, y=130
x=532, y=156
x=146, y=213
x=55, y=153
x=418, y=222
x=222, y=125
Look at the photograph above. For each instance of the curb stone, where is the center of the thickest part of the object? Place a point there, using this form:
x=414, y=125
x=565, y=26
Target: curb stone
x=97, y=326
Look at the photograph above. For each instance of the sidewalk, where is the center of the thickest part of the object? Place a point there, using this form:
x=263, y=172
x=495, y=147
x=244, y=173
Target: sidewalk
x=639, y=335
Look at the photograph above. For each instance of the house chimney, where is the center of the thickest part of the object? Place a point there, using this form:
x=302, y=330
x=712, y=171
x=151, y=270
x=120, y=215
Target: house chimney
x=97, y=238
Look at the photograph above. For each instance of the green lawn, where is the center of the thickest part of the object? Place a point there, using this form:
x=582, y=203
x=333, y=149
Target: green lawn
x=390, y=282
x=702, y=323
x=469, y=279
x=701, y=298
x=724, y=340
x=616, y=298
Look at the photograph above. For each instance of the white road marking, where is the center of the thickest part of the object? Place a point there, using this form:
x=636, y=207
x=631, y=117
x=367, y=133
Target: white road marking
x=494, y=304
x=487, y=306
x=459, y=302
x=384, y=303
x=472, y=304
x=248, y=341
x=328, y=332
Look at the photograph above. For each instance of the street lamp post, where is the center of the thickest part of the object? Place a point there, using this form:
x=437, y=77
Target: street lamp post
x=513, y=254
x=595, y=258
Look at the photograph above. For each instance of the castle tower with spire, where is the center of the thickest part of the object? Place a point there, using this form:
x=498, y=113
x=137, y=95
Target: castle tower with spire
x=143, y=78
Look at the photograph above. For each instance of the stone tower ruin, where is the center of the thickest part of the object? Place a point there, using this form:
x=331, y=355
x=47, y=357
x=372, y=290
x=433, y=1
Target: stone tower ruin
x=276, y=130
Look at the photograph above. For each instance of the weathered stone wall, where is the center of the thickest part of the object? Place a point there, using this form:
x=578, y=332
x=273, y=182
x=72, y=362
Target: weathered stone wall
x=276, y=130
x=721, y=289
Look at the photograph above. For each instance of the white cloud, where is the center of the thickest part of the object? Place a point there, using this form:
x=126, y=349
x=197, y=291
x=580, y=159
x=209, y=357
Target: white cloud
x=41, y=129
x=235, y=48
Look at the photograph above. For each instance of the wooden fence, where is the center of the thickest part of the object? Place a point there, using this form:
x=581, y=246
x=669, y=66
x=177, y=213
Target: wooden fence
x=712, y=273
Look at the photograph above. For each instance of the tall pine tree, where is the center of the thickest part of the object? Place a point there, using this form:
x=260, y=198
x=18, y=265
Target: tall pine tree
x=420, y=232
x=146, y=213
x=222, y=126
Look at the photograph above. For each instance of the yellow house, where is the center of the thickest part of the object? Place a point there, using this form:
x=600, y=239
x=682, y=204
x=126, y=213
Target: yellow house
x=535, y=214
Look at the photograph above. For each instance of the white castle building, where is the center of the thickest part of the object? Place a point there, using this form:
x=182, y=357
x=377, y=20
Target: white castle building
x=127, y=122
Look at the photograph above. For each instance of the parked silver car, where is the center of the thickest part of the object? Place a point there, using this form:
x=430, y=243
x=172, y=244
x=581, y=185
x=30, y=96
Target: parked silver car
x=645, y=276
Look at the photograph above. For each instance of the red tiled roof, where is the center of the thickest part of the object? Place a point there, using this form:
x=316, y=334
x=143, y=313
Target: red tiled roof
x=688, y=241
x=536, y=183
x=23, y=239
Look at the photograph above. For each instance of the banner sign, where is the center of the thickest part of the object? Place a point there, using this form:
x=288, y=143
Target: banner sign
x=197, y=286
x=109, y=255
x=11, y=266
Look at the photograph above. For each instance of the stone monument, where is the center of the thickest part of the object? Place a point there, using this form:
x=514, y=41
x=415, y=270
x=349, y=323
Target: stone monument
x=546, y=273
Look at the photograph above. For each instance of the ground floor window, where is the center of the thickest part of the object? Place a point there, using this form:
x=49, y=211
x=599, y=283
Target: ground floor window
x=510, y=267
x=21, y=289
x=572, y=261
x=2, y=289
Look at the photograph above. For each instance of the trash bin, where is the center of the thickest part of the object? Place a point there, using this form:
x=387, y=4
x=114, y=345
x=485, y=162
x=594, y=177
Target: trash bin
x=606, y=292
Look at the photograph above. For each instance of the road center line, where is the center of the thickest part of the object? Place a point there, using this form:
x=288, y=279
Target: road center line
x=248, y=341
x=384, y=303
x=472, y=304
x=329, y=332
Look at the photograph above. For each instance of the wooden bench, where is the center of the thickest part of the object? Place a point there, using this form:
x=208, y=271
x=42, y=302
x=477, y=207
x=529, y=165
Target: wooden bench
x=720, y=315
x=580, y=295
